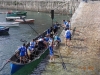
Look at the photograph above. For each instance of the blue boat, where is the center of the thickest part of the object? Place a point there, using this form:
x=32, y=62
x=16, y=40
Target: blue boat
x=4, y=29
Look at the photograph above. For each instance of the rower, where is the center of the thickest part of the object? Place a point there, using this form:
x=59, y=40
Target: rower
x=66, y=24
x=31, y=48
x=55, y=27
x=41, y=44
x=22, y=51
x=57, y=39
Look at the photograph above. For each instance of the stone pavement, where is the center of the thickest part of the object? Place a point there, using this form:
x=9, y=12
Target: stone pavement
x=83, y=57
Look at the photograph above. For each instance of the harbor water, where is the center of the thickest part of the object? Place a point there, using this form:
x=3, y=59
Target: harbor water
x=9, y=43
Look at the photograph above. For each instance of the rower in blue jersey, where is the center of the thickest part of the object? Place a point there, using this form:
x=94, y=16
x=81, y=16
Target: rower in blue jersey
x=66, y=24
x=51, y=49
x=55, y=27
x=67, y=36
x=48, y=32
x=46, y=38
x=22, y=51
x=32, y=44
x=57, y=39
x=31, y=48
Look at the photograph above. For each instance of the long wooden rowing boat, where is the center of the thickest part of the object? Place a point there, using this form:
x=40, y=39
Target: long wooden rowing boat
x=18, y=68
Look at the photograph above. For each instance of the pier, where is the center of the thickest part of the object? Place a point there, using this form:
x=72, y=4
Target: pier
x=83, y=56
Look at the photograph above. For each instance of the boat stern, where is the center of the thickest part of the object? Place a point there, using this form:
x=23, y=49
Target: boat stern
x=15, y=68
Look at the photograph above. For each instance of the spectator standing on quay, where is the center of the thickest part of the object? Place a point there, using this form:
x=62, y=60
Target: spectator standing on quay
x=67, y=37
x=66, y=24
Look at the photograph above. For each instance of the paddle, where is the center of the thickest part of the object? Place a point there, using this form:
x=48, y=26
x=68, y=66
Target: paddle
x=4, y=64
x=28, y=24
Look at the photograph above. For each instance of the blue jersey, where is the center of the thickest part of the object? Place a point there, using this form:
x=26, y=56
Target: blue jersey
x=46, y=39
x=50, y=42
x=55, y=26
x=66, y=24
x=30, y=48
x=22, y=50
x=67, y=34
x=48, y=31
x=57, y=38
x=32, y=44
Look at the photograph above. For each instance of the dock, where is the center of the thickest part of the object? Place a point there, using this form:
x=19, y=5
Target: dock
x=83, y=56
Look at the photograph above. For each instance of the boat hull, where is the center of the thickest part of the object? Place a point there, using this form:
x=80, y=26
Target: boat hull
x=4, y=30
x=16, y=13
x=28, y=68
x=27, y=21
x=13, y=18
x=8, y=24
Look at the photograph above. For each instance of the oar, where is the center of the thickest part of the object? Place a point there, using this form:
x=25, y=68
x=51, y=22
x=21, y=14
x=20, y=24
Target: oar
x=34, y=29
x=29, y=25
x=4, y=64
x=63, y=64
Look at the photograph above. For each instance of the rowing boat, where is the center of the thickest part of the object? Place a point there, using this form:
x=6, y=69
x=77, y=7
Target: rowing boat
x=18, y=68
x=25, y=21
x=3, y=30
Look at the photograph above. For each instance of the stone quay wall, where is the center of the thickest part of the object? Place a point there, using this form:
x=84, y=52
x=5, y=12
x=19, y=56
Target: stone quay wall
x=59, y=6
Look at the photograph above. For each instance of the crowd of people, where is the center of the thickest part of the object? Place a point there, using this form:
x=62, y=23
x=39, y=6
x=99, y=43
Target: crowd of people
x=67, y=26
x=44, y=41
x=49, y=40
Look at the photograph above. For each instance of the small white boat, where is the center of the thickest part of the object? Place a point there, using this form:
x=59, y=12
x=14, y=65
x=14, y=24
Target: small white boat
x=13, y=18
x=9, y=23
x=25, y=21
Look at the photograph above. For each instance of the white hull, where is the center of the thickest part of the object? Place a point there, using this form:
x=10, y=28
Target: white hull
x=14, y=18
x=9, y=23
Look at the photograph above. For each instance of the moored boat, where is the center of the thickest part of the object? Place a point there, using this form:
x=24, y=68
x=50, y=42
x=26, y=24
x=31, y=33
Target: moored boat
x=16, y=13
x=10, y=18
x=4, y=29
x=9, y=24
x=25, y=21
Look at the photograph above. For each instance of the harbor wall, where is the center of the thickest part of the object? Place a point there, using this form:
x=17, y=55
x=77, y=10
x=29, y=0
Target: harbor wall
x=59, y=6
